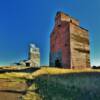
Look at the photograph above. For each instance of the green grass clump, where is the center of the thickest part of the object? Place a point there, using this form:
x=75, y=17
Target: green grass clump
x=80, y=86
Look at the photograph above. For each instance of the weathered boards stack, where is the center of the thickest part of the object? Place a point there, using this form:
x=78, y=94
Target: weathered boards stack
x=69, y=44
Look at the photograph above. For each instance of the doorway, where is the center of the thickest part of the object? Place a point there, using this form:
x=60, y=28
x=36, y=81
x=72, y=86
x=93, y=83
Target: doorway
x=27, y=64
x=58, y=63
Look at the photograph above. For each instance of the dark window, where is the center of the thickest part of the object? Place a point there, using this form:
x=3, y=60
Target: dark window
x=59, y=25
x=27, y=64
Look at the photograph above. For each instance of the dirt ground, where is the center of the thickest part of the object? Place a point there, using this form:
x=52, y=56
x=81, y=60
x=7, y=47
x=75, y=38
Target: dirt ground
x=10, y=89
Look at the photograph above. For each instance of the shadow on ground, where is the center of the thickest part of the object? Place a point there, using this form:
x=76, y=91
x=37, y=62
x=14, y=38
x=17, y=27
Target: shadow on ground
x=27, y=70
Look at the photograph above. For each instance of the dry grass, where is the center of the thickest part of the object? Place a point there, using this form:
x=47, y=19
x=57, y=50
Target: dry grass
x=54, y=71
x=60, y=84
x=43, y=71
x=13, y=67
x=16, y=75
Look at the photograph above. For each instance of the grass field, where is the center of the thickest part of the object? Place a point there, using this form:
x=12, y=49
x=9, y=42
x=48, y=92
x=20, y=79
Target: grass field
x=57, y=84
x=61, y=84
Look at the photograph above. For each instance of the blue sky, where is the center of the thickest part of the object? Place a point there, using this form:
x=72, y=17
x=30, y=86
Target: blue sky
x=30, y=21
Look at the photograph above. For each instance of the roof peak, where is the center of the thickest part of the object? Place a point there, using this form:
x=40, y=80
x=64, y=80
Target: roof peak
x=61, y=12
